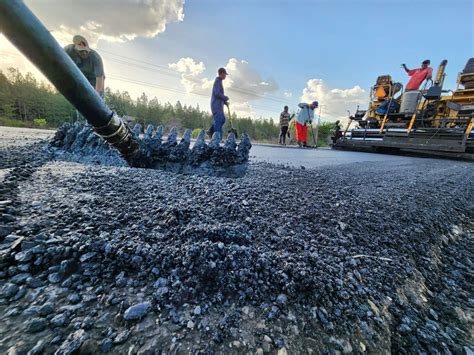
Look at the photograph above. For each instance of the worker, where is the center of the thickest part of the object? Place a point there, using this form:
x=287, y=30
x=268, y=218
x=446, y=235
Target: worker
x=305, y=116
x=88, y=61
x=337, y=131
x=284, y=123
x=418, y=75
x=218, y=100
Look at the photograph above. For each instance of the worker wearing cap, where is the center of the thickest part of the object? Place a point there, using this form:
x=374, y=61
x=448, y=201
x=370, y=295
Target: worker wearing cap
x=418, y=75
x=218, y=100
x=88, y=61
x=337, y=131
x=305, y=116
x=285, y=118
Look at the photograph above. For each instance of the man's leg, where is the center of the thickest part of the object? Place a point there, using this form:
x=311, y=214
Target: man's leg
x=284, y=130
x=219, y=120
x=304, y=134
x=210, y=131
x=299, y=133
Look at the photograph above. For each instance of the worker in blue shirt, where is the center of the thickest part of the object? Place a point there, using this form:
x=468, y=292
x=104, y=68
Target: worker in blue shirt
x=218, y=100
x=305, y=117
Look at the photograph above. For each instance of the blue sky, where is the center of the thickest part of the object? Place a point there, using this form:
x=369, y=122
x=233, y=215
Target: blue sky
x=342, y=45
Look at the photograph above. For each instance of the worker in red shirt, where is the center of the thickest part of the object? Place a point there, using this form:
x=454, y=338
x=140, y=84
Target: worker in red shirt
x=418, y=75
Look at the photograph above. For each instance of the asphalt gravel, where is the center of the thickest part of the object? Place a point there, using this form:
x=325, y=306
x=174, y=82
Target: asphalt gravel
x=351, y=258
x=78, y=142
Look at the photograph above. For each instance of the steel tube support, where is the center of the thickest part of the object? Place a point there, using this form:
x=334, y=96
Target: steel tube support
x=32, y=38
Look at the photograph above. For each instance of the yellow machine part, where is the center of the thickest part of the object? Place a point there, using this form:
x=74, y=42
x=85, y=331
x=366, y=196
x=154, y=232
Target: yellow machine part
x=443, y=112
x=383, y=91
x=380, y=92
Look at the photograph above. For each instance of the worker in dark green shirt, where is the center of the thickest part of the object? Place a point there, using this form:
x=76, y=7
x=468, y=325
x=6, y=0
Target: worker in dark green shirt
x=88, y=61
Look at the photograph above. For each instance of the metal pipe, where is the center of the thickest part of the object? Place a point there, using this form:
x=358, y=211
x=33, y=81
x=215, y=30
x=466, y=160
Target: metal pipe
x=31, y=37
x=439, y=79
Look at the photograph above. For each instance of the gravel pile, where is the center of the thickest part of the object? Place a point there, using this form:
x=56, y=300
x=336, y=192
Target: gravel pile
x=352, y=258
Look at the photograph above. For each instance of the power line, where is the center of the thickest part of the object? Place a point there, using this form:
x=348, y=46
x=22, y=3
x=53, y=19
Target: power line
x=162, y=67
x=175, y=90
x=169, y=72
x=157, y=86
x=165, y=70
x=153, y=85
x=139, y=66
x=249, y=93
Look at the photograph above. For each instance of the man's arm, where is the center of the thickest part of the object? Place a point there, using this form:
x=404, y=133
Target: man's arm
x=310, y=115
x=218, y=91
x=99, y=85
x=429, y=74
x=99, y=74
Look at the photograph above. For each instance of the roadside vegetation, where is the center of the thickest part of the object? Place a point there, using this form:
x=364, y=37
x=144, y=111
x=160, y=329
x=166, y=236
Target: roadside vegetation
x=27, y=102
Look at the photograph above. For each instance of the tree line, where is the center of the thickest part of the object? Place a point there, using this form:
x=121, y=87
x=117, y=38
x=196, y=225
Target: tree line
x=27, y=102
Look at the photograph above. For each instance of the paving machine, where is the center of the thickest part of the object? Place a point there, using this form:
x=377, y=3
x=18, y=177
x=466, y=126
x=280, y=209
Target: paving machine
x=431, y=120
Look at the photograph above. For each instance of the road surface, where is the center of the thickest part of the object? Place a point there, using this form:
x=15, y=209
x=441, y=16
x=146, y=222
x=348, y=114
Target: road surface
x=313, y=158
x=293, y=156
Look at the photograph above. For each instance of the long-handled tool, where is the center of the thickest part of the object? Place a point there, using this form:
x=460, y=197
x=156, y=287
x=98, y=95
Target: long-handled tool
x=314, y=137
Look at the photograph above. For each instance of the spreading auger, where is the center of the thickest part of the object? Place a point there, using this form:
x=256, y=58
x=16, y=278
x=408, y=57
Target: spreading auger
x=32, y=38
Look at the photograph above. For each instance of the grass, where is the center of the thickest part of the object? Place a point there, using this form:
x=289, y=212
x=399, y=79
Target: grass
x=9, y=122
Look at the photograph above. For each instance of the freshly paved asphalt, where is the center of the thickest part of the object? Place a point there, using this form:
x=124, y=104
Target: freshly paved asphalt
x=289, y=155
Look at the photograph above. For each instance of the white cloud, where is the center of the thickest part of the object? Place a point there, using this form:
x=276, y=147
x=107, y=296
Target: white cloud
x=111, y=20
x=188, y=65
x=196, y=84
x=334, y=102
x=243, y=85
x=243, y=109
x=288, y=94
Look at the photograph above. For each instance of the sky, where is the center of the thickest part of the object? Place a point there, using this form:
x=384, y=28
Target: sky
x=276, y=52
